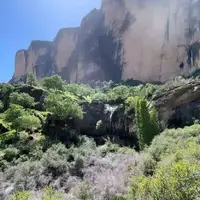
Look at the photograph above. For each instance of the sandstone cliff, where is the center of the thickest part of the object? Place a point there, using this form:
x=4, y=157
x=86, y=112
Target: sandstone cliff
x=147, y=40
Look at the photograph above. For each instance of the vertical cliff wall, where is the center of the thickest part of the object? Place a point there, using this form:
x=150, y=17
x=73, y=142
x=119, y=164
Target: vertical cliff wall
x=156, y=43
x=20, y=63
x=147, y=40
x=65, y=43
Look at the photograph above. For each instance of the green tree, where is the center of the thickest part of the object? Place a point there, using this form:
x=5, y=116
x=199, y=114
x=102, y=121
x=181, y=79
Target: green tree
x=22, y=99
x=14, y=112
x=155, y=127
x=31, y=79
x=27, y=122
x=62, y=107
x=53, y=82
x=6, y=90
x=146, y=122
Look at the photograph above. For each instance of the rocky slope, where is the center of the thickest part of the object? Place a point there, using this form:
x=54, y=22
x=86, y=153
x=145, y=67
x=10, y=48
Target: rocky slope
x=78, y=139
x=144, y=40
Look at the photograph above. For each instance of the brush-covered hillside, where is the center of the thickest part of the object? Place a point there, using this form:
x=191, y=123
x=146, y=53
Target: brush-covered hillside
x=102, y=141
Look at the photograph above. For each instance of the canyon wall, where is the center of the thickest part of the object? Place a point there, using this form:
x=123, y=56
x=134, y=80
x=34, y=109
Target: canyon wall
x=147, y=40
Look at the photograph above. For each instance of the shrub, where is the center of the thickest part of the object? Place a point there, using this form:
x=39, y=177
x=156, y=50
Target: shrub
x=14, y=112
x=174, y=181
x=53, y=82
x=51, y=194
x=27, y=122
x=6, y=88
x=131, y=102
x=84, y=192
x=144, y=91
x=55, y=160
x=63, y=108
x=80, y=90
x=119, y=93
x=31, y=79
x=10, y=154
x=20, y=195
x=99, y=96
x=22, y=99
x=168, y=141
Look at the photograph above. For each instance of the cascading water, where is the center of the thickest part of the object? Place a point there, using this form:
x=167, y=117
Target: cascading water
x=109, y=110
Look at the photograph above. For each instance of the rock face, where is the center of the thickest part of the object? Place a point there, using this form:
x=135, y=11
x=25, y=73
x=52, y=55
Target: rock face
x=181, y=106
x=147, y=40
x=101, y=121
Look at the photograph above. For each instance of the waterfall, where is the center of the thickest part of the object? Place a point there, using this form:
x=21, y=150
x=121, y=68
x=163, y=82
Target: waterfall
x=110, y=109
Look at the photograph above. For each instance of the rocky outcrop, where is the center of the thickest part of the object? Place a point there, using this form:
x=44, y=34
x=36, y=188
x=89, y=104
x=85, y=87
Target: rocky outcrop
x=37, y=59
x=181, y=106
x=65, y=43
x=145, y=40
x=100, y=121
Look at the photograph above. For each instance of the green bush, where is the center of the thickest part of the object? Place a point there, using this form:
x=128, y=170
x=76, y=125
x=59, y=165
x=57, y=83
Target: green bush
x=80, y=90
x=51, y=194
x=176, y=181
x=10, y=154
x=20, y=195
x=99, y=96
x=84, y=192
x=168, y=141
x=22, y=99
x=53, y=82
x=55, y=160
x=144, y=91
x=14, y=112
x=63, y=108
x=27, y=122
x=131, y=102
x=31, y=79
x=119, y=93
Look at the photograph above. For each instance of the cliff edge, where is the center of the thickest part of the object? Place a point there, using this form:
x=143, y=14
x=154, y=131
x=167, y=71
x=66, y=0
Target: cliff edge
x=149, y=41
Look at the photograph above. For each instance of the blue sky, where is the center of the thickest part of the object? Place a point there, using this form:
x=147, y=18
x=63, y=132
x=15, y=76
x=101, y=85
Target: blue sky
x=24, y=20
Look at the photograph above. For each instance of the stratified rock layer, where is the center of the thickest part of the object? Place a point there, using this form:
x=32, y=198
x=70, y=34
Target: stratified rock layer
x=147, y=40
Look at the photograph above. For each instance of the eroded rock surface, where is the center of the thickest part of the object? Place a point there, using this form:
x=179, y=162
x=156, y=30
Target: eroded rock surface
x=181, y=106
x=115, y=125
x=147, y=40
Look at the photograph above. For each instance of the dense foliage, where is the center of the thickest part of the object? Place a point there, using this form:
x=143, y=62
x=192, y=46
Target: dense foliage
x=22, y=99
x=34, y=165
x=146, y=122
x=53, y=82
x=63, y=107
x=31, y=79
